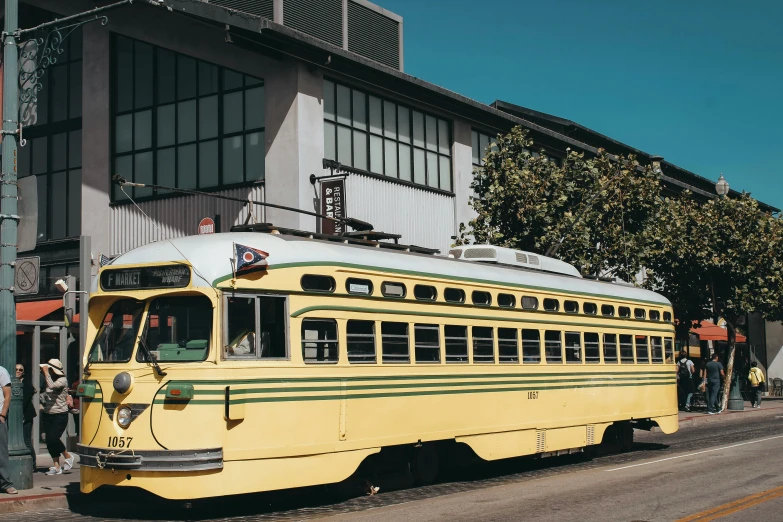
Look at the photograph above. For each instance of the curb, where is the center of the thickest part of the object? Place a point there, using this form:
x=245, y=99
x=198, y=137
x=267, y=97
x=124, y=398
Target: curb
x=747, y=415
x=33, y=503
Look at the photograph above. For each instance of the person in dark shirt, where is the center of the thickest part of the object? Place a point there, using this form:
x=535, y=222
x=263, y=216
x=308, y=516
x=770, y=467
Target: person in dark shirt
x=28, y=410
x=713, y=373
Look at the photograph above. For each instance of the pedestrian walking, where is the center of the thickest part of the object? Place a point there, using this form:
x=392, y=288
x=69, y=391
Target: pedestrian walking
x=54, y=419
x=5, y=403
x=713, y=373
x=756, y=378
x=28, y=410
x=685, y=387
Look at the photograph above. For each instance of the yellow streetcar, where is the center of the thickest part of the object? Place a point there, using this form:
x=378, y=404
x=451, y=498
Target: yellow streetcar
x=270, y=359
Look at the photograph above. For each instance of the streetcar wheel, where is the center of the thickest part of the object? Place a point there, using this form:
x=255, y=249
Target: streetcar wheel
x=425, y=464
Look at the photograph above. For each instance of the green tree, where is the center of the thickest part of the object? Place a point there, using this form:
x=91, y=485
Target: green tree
x=596, y=209
x=723, y=258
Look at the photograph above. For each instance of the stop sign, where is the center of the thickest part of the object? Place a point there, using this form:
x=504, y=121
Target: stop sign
x=206, y=226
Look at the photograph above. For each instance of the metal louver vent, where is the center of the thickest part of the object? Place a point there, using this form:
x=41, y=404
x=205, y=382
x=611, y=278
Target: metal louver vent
x=255, y=7
x=590, y=434
x=457, y=253
x=533, y=260
x=373, y=35
x=473, y=253
x=522, y=258
x=540, y=441
x=322, y=19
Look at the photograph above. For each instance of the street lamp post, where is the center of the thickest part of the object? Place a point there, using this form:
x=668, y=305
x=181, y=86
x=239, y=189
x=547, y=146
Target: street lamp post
x=735, y=402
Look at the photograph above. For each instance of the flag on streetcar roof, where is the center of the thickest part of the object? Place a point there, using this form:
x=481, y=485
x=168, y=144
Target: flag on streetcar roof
x=249, y=257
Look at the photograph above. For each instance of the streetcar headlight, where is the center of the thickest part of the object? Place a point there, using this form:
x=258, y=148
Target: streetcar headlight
x=124, y=417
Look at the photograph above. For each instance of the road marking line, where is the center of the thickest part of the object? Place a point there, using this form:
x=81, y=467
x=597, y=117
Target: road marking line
x=696, y=453
x=734, y=507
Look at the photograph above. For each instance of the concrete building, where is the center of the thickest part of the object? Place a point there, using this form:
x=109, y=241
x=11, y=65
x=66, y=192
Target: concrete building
x=246, y=98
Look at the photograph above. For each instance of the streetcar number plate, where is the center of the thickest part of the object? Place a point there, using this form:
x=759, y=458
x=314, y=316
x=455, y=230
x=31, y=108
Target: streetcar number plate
x=532, y=395
x=120, y=442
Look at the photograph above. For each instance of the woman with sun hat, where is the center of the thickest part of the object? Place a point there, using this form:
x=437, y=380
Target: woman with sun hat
x=55, y=415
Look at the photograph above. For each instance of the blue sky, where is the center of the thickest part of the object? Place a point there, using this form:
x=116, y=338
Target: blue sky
x=699, y=82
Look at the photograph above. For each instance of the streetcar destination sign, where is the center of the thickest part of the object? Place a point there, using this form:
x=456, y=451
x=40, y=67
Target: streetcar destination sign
x=146, y=277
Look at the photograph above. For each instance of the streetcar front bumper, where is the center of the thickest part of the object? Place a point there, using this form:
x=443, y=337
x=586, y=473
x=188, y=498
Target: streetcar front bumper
x=150, y=460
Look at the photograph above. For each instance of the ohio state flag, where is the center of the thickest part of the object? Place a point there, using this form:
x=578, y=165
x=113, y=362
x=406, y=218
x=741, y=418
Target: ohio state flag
x=249, y=257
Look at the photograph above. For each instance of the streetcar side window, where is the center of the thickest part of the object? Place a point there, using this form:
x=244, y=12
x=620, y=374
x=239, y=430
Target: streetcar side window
x=668, y=345
x=553, y=346
x=626, y=349
x=667, y=316
x=426, y=343
x=507, y=301
x=573, y=347
x=655, y=315
x=508, y=345
x=657, y=349
x=592, y=348
x=481, y=298
x=642, y=350
x=639, y=313
x=531, y=346
x=454, y=295
x=456, y=338
x=354, y=285
x=610, y=348
x=607, y=310
x=551, y=305
x=256, y=327
x=624, y=311
x=425, y=293
x=529, y=302
x=590, y=308
x=318, y=283
x=360, y=336
x=319, y=340
x=571, y=307
x=389, y=289
x=394, y=343
x=483, y=345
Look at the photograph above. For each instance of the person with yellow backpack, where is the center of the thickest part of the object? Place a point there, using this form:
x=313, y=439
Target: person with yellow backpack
x=756, y=378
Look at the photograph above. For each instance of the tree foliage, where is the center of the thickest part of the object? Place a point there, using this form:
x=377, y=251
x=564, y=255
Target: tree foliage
x=599, y=206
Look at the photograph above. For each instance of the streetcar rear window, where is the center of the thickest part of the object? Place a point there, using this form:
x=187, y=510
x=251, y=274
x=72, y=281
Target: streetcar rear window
x=116, y=337
x=319, y=340
x=178, y=329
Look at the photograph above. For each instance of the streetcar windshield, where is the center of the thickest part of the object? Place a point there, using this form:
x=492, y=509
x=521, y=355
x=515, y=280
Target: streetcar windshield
x=178, y=329
x=117, y=334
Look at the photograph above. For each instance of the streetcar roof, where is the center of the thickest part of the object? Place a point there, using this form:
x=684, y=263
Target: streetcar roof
x=210, y=255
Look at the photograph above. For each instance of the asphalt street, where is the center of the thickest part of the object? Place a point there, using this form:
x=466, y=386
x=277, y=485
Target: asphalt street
x=725, y=471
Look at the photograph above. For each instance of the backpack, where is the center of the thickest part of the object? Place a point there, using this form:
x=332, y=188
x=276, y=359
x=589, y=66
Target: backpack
x=683, y=370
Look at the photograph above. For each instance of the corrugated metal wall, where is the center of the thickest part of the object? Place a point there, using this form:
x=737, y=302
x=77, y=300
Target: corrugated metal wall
x=176, y=217
x=320, y=18
x=373, y=35
x=423, y=218
x=257, y=7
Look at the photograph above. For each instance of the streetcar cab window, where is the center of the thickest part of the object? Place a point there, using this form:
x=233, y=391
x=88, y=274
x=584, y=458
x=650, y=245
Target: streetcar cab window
x=529, y=302
x=626, y=349
x=607, y=310
x=553, y=346
x=393, y=289
x=425, y=338
x=454, y=295
x=610, y=348
x=358, y=286
x=178, y=329
x=394, y=343
x=531, y=346
x=456, y=338
x=483, y=345
x=573, y=347
x=642, y=349
x=571, y=307
x=590, y=308
x=425, y=293
x=319, y=340
x=256, y=327
x=361, y=341
x=657, y=349
x=506, y=301
x=668, y=346
x=318, y=283
x=551, y=305
x=592, y=349
x=118, y=331
x=508, y=347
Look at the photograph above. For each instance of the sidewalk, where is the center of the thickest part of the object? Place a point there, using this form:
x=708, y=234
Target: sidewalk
x=769, y=406
x=48, y=492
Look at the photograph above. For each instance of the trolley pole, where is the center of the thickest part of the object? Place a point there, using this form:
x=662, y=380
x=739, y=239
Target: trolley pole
x=21, y=466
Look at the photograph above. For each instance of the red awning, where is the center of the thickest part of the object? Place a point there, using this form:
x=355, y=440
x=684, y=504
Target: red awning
x=711, y=332
x=35, y=310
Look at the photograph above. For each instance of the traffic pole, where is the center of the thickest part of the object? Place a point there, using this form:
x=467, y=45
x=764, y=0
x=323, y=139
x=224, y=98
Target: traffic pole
x=21, y=465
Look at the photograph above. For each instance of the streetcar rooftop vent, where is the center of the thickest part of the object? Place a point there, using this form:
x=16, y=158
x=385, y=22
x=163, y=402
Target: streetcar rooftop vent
x=512, y=257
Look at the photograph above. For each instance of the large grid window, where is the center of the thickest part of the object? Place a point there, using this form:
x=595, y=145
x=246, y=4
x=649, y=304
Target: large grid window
x=53, y=131
x=480, y=142
x=181, y=122
x=384, y=137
